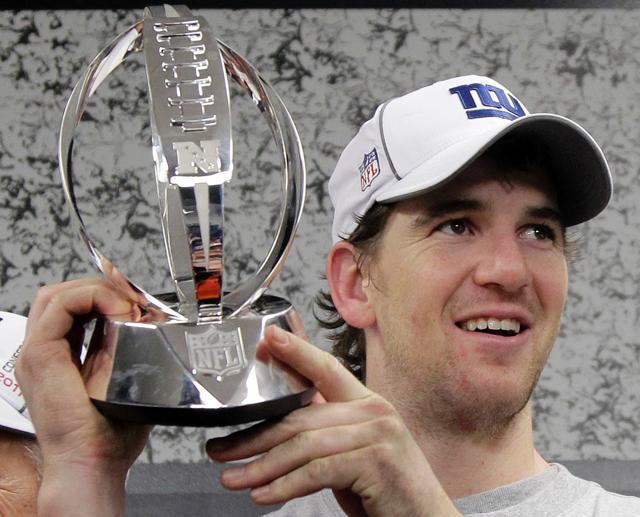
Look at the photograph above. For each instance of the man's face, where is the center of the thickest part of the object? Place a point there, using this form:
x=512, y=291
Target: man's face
x=468, y=284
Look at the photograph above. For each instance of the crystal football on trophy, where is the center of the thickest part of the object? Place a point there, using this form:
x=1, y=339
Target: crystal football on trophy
x=191, y=358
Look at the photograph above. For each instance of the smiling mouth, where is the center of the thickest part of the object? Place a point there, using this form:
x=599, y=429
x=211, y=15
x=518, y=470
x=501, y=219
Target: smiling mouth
x=493, y=326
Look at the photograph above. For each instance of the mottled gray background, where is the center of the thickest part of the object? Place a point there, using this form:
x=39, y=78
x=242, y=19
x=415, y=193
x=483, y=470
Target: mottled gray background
x=333, y=67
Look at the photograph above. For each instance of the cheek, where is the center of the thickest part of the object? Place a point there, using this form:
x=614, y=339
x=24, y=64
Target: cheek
x=428, y=297
x=416, y=288
x=421, y=300
x=437, y=286
x=552, y=284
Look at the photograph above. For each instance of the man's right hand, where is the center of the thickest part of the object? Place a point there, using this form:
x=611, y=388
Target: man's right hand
x=85, y=455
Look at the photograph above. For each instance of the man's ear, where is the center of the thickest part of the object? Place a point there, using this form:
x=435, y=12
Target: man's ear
x=346, y=282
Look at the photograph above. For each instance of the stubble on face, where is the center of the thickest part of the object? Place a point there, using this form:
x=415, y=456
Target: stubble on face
x=447, y=403
x=438, y=390
x=445, y=400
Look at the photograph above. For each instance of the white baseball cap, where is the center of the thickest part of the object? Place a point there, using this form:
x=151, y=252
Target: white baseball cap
x=418, y=141
x=13, y=410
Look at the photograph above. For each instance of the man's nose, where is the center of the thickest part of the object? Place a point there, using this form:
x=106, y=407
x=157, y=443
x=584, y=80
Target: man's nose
x=503, y=264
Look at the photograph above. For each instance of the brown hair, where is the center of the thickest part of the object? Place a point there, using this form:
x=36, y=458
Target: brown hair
x=348, y=341
x=509, y=154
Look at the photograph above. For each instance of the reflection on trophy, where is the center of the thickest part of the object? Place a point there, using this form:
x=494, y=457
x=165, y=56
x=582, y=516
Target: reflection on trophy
x=190, y=360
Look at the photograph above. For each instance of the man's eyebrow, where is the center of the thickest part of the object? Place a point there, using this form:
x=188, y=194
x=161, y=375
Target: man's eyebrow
x=439, y=209
x=451, y=206
x=446, y=207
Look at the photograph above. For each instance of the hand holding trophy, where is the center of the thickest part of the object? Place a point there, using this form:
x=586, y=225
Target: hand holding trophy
x=190, y=360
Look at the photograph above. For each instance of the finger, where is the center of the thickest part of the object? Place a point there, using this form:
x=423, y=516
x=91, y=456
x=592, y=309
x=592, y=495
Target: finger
x=331, y=379
x=47, y=292
x=336, y=472
x=300, y=450
x=265, y=436
x=64, y=305
x=46, y=362
x=54, y=373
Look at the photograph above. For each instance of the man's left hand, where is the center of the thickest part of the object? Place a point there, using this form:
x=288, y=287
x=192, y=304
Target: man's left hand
x=349, y=439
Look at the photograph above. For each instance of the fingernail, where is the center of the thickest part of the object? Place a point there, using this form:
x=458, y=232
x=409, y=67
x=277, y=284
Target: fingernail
x=217, y=445
x=135, y=313
x=260, y=492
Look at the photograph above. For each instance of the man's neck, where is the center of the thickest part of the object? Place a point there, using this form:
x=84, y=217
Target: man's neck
x=467, y=465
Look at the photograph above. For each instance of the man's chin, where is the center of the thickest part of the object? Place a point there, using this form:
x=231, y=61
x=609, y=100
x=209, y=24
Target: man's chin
x=484, y=410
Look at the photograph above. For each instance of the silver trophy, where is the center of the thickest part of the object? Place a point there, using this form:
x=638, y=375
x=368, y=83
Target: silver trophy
x=190, y=360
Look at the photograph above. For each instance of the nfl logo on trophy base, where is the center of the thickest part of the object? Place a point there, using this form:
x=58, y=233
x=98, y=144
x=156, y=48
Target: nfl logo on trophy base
x=217, y=353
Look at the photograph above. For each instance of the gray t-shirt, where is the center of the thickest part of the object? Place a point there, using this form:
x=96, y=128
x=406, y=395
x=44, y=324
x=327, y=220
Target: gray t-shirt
x=555, y=492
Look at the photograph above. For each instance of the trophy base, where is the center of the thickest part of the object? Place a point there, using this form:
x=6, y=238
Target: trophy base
x=205, y=417
x=190, y=374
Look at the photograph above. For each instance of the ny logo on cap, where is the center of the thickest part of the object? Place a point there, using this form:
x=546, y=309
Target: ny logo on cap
x=496, y=101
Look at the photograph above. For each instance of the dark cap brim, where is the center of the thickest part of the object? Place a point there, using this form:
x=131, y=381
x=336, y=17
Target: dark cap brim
x=579, y=168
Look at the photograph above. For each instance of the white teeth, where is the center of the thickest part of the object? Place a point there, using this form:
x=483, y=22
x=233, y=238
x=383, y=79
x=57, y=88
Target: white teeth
x=492, y=324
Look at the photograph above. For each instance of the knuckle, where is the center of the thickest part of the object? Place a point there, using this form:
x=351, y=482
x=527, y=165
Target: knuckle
x=55, y=299
x=285, y=487
x=257, y=466
x=59, y=299
x=27, y=363
x=390, y=425
x=45, y=293
x=330, y=368
x=301, y=441
x=379, y=406
x=331, y=364
x=316, y=470
x=382, y=455
x=292, y=423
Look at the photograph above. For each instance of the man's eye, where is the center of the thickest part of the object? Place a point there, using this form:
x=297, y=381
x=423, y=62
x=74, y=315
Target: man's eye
x=455, y=227
x=539, y=232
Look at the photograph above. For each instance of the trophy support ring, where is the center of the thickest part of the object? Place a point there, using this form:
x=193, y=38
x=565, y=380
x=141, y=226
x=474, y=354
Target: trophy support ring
x=191, y=359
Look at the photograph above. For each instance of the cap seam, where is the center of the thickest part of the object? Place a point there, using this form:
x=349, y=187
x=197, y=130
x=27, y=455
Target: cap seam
x=384, y=140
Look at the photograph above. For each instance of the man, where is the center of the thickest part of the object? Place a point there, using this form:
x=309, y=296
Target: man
x=448, y=276
x=19, y=476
